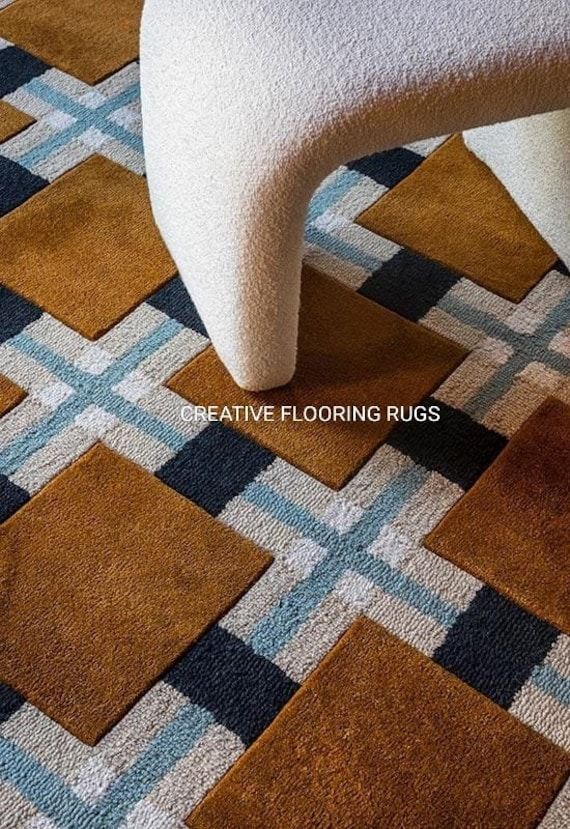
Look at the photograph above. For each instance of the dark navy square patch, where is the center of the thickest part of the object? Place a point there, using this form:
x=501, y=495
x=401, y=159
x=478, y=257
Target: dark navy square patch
x=244, y=691
x=17, y=68
x=494, y=646
x=12, y=497
x=173, y=299
x=409, y=284
x=388, y=167
x=456, y=446
x=215, y=466
x=16, y=184
x=15, y=313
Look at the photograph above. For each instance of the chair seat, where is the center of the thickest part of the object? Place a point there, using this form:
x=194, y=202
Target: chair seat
x=248, y=106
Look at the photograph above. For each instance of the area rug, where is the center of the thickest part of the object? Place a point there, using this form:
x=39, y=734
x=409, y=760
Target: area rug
x=302, y=622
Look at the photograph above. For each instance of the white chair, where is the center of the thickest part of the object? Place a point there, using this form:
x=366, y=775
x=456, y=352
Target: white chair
x=247, y=106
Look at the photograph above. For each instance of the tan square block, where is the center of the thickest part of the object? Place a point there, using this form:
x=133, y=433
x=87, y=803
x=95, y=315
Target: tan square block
x=106, y=576
x=453, y=210
x=381, y=736
x=512, y=529
x=10, y=395
x=85, y=248
x=89, y=40
x=12, y=121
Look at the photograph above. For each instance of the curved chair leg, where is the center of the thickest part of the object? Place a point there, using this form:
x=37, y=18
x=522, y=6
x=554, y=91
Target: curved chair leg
x=239, y=254
x=531, y=157
x=232, y=218
x=238, y=248
x=245, y=112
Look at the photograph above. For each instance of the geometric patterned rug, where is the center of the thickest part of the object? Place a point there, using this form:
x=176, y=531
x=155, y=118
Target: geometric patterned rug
x=260, y=625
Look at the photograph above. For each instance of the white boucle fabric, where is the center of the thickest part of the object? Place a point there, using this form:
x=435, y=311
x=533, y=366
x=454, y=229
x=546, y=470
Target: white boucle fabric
x=531, y=157
x=248, y=106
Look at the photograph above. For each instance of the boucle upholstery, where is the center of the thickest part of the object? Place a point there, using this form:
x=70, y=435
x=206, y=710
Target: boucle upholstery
x=263, y=99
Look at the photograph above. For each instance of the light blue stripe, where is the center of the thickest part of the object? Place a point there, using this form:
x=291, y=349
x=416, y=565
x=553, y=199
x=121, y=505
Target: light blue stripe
x=86, y=118
x=284, y=620
x=90, y=389
x=144, y=348
x=79, y=379
x=43, y=788
x=51, y=795
x=172, y=743
x=33, y=157
x=555, y=321
x=287, y=512
x=477, y=318
x=64, y=103
x=554, y=359
x=51, y=360
x=345, y=552
x=17, y=452
x=386, y=506
x=551, y=682
x=531, y=347
x=497, y=385
x=403, y=587
x=23, y=447
x=131, y=413
x=328, y=195
x=534, y=345
x=344, y=250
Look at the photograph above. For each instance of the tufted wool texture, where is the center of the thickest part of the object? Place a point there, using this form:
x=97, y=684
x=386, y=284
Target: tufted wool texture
x=337, y=554
x=495, y=772
x=262, y=103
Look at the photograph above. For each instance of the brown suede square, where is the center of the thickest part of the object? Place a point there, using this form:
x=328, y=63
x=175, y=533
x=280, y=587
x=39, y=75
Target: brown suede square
x=512, y=529
x=452, y=209
x=12, y=121
x=10, y=395
x=85, y=248
x=106, y=576
x=86, y=38
x=381, y=736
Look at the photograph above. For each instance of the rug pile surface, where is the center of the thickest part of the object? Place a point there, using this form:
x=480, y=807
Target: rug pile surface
x=268, y=624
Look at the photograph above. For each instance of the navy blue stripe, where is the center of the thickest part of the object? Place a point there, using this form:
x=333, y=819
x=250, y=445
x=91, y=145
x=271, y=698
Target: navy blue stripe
x=457, y=447
x=494, y=646
x=10, y=702
x=244, y=691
